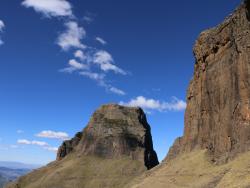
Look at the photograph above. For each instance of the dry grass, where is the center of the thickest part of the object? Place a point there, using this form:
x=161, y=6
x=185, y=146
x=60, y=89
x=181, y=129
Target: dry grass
x=83, y=172
x=193, y=170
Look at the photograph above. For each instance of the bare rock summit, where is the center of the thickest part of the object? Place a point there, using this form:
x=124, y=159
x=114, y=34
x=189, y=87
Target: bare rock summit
x=112, y=132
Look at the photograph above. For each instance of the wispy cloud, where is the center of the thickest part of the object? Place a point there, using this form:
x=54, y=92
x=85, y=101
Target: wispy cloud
x=33, y=142
x=74, y=65
x=151, y=104
x=105, y=61
x=117, y=91
x=53, y=149
x=20, y=131
x=2, y=26
x=86, y=59
x=100, y=40
x=41, y=144
x=72, y=37
x=80, y=55
x=53, y=134
x=99, y=78
x=93, y=75
x=89, y=17
x=50, y=8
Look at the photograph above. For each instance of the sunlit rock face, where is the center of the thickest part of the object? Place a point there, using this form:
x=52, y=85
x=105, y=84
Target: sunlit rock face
x=217, y=117
x=114, y=131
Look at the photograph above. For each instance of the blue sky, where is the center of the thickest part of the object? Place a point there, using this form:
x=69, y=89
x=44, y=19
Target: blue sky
x=60, y=60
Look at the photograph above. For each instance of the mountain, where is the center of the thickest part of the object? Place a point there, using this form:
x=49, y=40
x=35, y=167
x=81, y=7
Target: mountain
x=10, y=171
x=215, y=148
x=114, y=148
x=18, y=165
x=8, y=174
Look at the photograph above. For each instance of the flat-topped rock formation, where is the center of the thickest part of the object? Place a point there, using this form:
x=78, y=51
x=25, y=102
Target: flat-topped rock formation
x=115, y=147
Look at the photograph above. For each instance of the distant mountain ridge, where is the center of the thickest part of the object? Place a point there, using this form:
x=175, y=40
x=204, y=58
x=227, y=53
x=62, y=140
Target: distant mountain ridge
x=18, y=165
x=8, y=174
x=11, y=170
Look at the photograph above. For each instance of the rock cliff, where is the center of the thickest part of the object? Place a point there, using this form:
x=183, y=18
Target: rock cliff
x=217, y=117
x=114, y=131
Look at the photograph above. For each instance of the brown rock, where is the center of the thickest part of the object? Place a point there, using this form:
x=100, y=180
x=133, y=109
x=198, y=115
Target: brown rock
x=114, y=131
x=217, y=117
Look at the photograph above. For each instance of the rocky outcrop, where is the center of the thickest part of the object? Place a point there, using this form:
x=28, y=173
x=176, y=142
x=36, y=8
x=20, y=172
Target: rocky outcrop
x=217, y=117
x=114, y=131
x=114, y=148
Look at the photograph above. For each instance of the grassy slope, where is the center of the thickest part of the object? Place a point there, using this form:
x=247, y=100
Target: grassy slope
x=83, y=172
x=193, y=170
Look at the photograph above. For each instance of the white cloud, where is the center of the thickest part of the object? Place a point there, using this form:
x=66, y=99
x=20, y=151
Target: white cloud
x=33, y=142
x=99, y=78
x=23, y=141
x=2, y=26
x=152, y=104
x=100, y=40
x=43, y=145
x=54, y=149
x=53, y=134
x=75, y=64
x=72, y=37
x=50, y=8
x=117, y=91
x=80, y=55
x=105, y=60
x=20, y=131
x=89, y=17
x=93, y=75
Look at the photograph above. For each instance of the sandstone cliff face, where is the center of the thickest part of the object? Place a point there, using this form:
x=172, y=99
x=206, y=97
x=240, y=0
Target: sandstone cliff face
x=217, y=117
x=114, y=131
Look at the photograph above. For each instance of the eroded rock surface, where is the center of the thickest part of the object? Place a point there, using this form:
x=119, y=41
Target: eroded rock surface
x=217, y=117
x=114, y=131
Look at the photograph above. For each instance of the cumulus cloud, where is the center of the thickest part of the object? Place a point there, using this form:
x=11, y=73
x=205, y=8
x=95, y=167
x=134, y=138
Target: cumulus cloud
x=50, y=8
x=152, y=104
x=72, y=37
x=53, y=134
x=100, y=40
x=33, y=142
x=105, y=60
